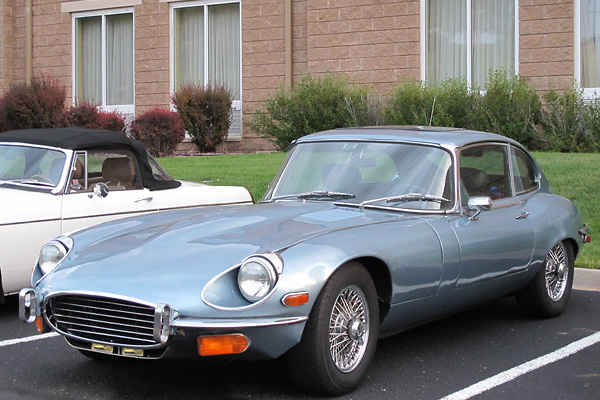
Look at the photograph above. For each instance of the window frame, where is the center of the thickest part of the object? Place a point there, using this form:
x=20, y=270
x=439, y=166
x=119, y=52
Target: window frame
x=423, y=38
x=121, y=108
x=591, y=93
x=236, y=105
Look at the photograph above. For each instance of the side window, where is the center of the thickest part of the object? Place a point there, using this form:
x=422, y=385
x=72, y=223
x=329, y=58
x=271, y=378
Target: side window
x=484, y=172
x=117, y=169
x=523, y=171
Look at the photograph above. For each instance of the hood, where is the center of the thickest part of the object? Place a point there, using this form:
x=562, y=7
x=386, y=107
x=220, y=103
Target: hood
x=176, y=253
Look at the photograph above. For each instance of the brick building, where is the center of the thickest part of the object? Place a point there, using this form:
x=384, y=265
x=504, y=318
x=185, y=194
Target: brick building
x=129, y=55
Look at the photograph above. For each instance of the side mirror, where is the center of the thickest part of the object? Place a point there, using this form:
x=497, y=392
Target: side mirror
x=100, y=190
x=479, y=204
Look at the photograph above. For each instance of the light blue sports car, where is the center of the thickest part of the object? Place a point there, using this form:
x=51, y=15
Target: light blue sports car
x=364, y=233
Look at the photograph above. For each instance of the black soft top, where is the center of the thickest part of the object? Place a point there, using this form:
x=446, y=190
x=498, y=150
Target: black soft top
x=75, y=138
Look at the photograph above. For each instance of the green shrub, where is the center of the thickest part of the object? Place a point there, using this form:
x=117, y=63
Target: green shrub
x=160, y=130
x=565, y=119
x=312, y=105
x=410, y=104
x=206, y=114
x=88, y=115
x=592, y=124
x=39, y=104
x=450, y=104
x=509, y=107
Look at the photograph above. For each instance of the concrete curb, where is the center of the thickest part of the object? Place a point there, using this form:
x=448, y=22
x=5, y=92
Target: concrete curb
x=587, y=279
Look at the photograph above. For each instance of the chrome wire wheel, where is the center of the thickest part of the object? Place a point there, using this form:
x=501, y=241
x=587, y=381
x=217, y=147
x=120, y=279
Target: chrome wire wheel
x=557, y=272
x=349, y=329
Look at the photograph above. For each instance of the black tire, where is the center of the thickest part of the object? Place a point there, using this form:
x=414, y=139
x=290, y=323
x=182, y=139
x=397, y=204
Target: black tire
x=311, y=362
x=548, y=293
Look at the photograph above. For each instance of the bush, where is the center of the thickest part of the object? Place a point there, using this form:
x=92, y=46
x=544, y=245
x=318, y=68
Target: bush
x=509, y=107
x=39, y=104
x=592, y=124
x=206, y=114
x=88, y=115
x=312, y=105
x=160, y=130
x=564, y=122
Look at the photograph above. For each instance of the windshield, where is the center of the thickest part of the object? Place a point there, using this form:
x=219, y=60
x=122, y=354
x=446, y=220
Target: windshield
x=33, y=166
x=398, y=175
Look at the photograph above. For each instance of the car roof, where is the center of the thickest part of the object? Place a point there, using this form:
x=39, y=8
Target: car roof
x=76, y=138
x=450, y=137
x=73, y=138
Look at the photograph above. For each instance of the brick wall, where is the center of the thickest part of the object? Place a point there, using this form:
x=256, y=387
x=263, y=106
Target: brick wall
x=51, y=42
x=375, y=44
x=152, y=79
x=546, y=42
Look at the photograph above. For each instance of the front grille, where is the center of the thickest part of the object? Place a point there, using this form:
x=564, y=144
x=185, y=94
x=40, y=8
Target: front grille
x=102, y=319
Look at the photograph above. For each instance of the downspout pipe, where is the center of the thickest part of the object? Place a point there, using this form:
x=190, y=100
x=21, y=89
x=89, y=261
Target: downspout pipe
x=28, y=40
x=289, y=67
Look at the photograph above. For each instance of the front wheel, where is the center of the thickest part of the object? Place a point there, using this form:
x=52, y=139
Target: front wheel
x=548, y=293
x=340, y=336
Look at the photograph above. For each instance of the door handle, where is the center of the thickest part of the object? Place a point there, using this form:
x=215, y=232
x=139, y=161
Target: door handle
x=523, y=215
x=144, y=199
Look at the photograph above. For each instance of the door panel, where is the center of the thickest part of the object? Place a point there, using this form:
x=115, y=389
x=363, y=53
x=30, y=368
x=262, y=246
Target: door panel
x=495, y=244
x=80, y=210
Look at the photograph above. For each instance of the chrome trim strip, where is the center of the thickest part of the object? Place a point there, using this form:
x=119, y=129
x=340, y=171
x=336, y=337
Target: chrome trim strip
x=97, y=294
x=228, y=324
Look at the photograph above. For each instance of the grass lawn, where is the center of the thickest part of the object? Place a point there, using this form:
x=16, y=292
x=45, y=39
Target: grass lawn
x=576, y=176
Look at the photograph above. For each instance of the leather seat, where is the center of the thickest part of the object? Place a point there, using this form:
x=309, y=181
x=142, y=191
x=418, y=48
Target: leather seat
x=476, y=181
x=118, y=173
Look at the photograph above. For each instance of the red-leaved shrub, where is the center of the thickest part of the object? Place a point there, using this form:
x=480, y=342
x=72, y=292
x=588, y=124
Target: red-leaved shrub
x=38, y=104
x=88, y=115
x=206, y=114
x=160, y=130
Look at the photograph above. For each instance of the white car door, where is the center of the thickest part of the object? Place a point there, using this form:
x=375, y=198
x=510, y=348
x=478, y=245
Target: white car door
x=118, y=171
x=81, y=210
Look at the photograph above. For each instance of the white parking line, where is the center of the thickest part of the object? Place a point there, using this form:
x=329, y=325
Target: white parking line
x=10, y=342
x=522, y=369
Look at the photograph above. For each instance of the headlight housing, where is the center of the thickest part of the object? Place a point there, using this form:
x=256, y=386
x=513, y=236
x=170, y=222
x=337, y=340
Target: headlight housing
x=53, y=252
x=256, y=278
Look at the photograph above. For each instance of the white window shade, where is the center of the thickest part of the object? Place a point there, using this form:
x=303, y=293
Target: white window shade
x=590, y=43
x=104, y=61
x=466, y=39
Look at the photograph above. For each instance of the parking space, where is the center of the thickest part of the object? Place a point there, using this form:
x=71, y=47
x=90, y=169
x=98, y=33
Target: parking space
x=431, y=362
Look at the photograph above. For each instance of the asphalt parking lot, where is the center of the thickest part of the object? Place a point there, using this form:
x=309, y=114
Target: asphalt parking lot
x=492, y=352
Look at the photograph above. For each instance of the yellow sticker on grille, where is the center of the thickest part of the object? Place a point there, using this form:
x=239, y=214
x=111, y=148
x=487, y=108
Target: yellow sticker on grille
x=102, y=347
x=132, y=352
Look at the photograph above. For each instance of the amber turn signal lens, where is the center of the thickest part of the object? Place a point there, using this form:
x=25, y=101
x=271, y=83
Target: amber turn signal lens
x=39, y=324
x=295, y=299
x=222, y=344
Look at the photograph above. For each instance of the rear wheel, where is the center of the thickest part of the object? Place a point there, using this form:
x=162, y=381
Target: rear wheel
x=340, y=336
x=548, y=293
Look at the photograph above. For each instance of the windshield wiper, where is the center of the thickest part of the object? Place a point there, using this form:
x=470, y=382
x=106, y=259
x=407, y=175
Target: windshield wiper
x=319, y=194
x=406, y=197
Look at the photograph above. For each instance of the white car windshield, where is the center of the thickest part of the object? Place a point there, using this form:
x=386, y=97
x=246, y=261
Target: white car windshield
x=31, y=166
x=396, y=175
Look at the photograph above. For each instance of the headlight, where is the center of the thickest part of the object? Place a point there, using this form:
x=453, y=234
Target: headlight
x=54, y=252
x=256, y=278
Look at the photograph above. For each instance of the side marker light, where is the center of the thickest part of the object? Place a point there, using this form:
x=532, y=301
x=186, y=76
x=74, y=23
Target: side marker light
x=222, y=344
x=295, y=299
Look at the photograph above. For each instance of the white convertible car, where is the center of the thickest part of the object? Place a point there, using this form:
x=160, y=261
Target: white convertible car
x=54, y=181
